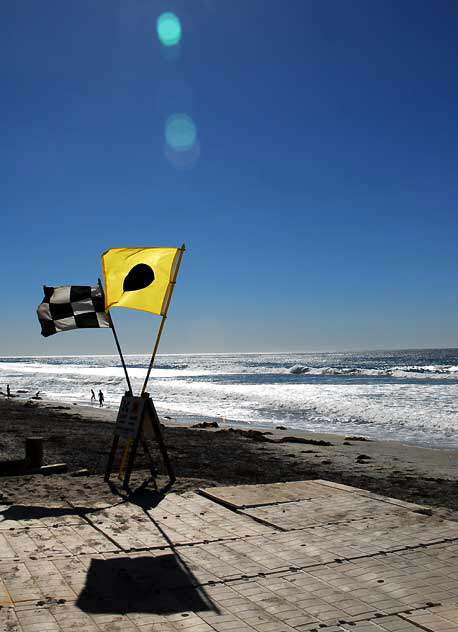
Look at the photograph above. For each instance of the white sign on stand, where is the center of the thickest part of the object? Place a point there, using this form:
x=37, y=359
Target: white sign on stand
x=129, y=417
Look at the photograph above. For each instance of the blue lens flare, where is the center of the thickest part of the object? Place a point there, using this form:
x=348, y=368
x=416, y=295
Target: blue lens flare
x=180, y=132
x=168, y=29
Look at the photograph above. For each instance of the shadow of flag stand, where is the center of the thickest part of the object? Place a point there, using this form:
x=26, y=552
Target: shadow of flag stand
x=144, y=279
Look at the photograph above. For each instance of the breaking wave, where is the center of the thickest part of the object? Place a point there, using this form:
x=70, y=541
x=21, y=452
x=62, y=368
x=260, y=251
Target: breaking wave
x=400, y=371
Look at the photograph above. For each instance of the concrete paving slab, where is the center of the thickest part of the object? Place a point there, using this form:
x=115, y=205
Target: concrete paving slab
x=292, y=556
x=43, y=542
x=175, y=520
x=394, y=624
x=359, y=538
x=196, y=518
x=436, y=619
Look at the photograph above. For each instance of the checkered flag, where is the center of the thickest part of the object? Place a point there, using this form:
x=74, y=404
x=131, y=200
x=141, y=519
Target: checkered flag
x=71, y=307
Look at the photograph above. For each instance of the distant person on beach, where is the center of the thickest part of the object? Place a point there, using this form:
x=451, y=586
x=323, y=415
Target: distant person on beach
x=101, y=398
x=8, y=391
x=92, y=395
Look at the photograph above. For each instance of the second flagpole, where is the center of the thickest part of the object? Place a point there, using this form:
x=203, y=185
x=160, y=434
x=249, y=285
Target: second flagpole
x=164, y=316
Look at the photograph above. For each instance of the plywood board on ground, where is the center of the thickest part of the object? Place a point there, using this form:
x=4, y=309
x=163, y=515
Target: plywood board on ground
x=240, y=496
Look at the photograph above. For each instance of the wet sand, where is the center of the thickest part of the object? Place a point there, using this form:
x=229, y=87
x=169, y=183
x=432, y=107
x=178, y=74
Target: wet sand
x=81, y=436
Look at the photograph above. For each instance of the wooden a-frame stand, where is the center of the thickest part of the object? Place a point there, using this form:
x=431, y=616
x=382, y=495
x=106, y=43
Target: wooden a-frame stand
x=148, y=414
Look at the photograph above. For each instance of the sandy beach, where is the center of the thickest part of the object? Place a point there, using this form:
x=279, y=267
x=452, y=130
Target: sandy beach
x=80, y=436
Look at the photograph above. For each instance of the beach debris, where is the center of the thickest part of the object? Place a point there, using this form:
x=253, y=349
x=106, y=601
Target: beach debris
x=425, y=511
x=255, y=435
x=57, y=439
x=281, y=428
x=82, y=472
x=11, y=467
x=206, y=424
x=326, y=462
x=350, y=438
x=362, y=458
x=21, y=467
x=34, y=451
x=302, y=440
x=55, y=468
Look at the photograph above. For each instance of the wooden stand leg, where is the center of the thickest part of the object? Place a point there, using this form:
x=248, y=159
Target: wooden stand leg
x=114, y=446
x=130, y=462
x=157, y=431
x=152, y=465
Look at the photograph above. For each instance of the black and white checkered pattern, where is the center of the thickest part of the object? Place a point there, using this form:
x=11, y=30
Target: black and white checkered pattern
x=71, y=307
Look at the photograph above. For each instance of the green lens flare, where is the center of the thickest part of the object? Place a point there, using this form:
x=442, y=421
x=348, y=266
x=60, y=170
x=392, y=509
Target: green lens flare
x=180, y=132
x=168, y=29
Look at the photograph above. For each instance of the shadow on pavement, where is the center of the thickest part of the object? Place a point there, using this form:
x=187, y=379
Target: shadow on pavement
x=155, y=585
x=27, y=512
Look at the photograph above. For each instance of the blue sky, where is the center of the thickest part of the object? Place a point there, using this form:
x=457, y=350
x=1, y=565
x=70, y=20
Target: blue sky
x=318, y=205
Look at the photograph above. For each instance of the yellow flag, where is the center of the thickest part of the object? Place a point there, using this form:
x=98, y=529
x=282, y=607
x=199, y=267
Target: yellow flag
x=138, y=278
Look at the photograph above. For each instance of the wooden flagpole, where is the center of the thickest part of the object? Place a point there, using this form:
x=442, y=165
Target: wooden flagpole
x=167, y=300
x=110, y=320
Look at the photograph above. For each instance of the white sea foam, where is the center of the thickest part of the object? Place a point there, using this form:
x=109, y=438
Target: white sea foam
x=393, y=408
x=90, y=372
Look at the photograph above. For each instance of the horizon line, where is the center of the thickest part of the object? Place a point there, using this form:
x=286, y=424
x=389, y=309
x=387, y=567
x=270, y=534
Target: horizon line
x=208, y=353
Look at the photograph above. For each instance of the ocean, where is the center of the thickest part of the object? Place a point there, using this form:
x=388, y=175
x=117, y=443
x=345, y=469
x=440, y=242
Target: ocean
x=409, y=395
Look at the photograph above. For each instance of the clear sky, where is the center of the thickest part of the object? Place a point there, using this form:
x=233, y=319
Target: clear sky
x=312, y=170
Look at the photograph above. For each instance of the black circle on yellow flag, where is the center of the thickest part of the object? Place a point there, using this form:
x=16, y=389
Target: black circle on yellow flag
x=138, y=278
